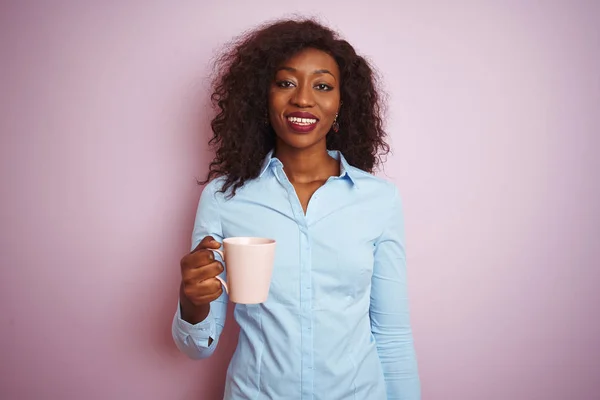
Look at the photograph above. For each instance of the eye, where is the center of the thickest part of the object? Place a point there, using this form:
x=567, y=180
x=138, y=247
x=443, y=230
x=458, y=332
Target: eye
x=284, y=84
x=323, y=87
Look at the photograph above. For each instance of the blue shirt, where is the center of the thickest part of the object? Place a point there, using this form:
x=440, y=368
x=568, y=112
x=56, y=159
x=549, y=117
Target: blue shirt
x=336, y=323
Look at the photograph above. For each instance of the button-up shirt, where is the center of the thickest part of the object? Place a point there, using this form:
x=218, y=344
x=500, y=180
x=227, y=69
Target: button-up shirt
x=336, y=323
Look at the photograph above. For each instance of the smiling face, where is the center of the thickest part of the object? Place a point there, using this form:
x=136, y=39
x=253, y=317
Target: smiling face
x=304, y=98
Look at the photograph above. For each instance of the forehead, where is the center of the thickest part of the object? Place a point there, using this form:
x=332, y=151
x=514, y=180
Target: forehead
x=309, y=60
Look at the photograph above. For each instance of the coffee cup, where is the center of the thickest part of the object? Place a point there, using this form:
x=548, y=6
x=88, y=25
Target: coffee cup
x=249, y=267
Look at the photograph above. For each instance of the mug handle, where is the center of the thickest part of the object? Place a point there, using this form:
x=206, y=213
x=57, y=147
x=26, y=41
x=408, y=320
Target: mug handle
x=218, y=277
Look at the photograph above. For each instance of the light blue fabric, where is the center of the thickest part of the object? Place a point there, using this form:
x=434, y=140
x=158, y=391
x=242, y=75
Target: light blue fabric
x=336, y=324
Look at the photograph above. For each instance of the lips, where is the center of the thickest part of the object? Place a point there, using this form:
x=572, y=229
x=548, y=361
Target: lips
x=301, y=122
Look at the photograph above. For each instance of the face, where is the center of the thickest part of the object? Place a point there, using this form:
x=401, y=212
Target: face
x=304, y=98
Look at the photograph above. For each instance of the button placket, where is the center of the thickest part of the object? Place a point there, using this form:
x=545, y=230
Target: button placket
x=306, y=330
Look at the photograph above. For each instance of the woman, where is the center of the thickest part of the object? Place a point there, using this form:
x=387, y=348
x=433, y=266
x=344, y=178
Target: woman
x=297, y=134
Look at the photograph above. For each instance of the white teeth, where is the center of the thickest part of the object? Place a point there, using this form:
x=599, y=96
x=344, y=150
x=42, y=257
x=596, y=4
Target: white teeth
x=302, y=121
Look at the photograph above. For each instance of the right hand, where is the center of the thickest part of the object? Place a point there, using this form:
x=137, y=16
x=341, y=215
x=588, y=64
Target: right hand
x=198, y=272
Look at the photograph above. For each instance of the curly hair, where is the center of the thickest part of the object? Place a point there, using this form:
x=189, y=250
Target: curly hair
x=243, y=73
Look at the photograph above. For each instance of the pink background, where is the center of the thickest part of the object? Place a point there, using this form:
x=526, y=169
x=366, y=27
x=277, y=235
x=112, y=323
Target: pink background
x=494, y=119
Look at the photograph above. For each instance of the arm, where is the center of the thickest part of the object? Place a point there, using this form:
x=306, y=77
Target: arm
x=389, y=310
x=199, y=340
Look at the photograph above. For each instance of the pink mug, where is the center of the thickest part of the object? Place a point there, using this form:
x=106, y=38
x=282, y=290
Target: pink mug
x=249, y=267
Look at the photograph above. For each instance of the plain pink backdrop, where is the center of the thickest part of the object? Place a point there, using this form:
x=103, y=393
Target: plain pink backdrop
x=494, y=121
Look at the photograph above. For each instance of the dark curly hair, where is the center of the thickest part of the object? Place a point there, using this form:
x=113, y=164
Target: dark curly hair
x=243, y=74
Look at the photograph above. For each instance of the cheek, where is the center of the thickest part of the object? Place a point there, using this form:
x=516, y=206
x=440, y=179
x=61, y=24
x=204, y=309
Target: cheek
x=331, y=104
x=276, y=105
x=276, y=101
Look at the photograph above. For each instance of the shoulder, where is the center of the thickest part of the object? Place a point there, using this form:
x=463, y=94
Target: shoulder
x=212, y=191
x=215, y=185
x=374, y=185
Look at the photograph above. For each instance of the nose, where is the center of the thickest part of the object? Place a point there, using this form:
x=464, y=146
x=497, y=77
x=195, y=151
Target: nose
x=303, y=96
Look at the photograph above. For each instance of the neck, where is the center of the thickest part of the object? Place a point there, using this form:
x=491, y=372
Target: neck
x=307, y=165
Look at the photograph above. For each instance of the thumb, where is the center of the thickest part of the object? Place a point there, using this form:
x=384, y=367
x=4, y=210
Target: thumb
x=208, y=242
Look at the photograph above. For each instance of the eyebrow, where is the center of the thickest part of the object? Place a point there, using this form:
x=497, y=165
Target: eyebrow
x=315, y=72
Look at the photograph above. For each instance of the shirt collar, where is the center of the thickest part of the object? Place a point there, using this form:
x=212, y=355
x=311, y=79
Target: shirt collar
x=346, y=170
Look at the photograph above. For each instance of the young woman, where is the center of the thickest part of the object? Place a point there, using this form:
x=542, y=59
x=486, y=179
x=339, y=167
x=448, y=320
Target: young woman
x=298, y=133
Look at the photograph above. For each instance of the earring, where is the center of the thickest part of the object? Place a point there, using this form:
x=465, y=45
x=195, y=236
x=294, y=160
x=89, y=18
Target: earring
x=266, y=119
x=336, y=125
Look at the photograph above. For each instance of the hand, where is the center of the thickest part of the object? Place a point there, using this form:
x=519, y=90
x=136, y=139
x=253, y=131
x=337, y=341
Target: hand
x=198, y=271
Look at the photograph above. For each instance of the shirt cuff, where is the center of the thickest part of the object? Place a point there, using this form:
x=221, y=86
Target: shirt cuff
x=199, y=333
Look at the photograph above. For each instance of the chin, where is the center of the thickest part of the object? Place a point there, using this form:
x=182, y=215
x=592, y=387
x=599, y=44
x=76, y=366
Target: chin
x=301, y=142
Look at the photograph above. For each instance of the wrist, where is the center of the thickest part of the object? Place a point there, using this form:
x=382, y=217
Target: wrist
x=190, y=312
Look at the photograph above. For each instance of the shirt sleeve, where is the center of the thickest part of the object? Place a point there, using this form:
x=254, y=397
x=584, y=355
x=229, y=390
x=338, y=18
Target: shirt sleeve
x=389, y=310
x=193, y=340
